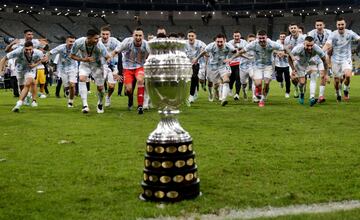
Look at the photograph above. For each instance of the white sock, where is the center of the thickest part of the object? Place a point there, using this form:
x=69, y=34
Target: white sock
x=71, y=100
x=225, y=90
x=146, y=99
x=312, y=86
x=253, y=89
x=346, y=88
x=19, y=103
x=338, y=92
x=321, y=90
x=83, y=93
x=220, y=91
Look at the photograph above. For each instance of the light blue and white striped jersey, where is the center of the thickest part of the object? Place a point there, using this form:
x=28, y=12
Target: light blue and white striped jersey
x=97, y=51
x=237, y=46
x=320, y=39
x=246, y=63
x=36, y=44
x=193, y=50
x=305, y=59
x=281, y=61
x=133, y=57
x=65, y=63
x=263, y=55
x=291, y=41
x=22, y=61
x=218, y=55
x=341, y=44
x=111, y=45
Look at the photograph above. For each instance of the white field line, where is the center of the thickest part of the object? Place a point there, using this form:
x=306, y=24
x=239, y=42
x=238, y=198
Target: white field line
x=269, y=211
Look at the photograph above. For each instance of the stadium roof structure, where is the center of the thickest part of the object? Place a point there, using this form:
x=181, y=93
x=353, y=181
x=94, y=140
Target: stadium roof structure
x=185, y=5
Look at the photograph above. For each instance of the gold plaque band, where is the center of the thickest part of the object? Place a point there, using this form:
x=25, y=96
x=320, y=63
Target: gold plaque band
x=156, y=164
x=159, y=194
x=167, y=164
x=172, y=194
x=178, y=178
x=159, y=150
x=189, y=176
x=179, y=163
x=165, y=179
x=148, y=193
x=149, y=148
x=182, y=148
x=171, y=149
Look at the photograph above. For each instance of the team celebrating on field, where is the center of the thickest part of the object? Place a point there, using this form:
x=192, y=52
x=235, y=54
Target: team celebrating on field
x=221, y=64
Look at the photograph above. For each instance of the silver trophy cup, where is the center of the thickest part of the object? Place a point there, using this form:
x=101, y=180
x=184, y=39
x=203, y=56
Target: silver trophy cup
x=170, y=172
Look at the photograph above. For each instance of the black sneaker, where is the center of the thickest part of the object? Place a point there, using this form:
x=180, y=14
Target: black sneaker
x=338, y=98
x=223, y=103
x=346, y=95
x=100, y=109
x=140, y=110
x=130, y=102
x=85, y=109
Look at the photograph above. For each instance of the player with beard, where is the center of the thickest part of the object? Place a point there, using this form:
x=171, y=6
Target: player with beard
x=263, y=68
x=302, y=61
x=91, y=54
x=217, y=68
x=27, y=59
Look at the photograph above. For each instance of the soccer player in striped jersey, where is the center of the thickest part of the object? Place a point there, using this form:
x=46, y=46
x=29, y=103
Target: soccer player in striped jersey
x=27, y=59
x=263, y=68
x=110, y=68
x=247, y=68
x=282, y=67
x=193, y=48
x=217, y=68
x=238, y=43
x=340, y=41
x=67, y=67
x=291, y=41
x=302, y=61
x=135, y=51
x=91, y=54
x=320, y=35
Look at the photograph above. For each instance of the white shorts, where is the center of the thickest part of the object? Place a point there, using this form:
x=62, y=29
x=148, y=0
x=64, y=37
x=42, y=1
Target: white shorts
x=263, y=73
x=214, y=75
x=108, y=74
x=23, y=75
x=201, y=74
x=339, y=68
x=68, y=76
x=96, y=72
x=303, y=70
x=315, y=67
x=245, y=74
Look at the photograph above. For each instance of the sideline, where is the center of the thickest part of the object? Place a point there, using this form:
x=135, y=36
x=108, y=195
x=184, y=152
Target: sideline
x=269, y=211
